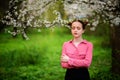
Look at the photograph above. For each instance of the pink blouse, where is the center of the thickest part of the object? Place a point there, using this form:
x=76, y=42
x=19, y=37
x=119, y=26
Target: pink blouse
x=80, y=56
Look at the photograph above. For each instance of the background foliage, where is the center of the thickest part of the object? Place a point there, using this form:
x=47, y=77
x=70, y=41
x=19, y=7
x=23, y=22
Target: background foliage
x=39, y=57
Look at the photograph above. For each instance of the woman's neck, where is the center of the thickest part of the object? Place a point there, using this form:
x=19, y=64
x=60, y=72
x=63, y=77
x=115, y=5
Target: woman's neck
x=77, y=40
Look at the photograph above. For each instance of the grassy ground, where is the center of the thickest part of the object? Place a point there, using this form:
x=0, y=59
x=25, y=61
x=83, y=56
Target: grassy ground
x=39, y=57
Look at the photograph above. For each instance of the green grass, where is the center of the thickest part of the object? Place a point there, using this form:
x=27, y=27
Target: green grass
x=39, y=57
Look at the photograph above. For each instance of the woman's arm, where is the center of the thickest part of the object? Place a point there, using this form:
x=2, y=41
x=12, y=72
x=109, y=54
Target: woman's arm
x=64, y=62
x=85, y=62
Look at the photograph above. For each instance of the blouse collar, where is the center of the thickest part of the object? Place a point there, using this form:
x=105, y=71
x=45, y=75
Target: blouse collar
x=83, y=41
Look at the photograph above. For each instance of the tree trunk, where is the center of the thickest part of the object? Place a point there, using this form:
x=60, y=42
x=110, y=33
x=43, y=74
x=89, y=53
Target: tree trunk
x=24, y=35
x=3, y=7
x=14, y=32
x=115, y=38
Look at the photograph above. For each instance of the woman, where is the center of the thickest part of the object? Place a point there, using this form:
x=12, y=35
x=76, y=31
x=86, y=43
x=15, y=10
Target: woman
x=77, y=53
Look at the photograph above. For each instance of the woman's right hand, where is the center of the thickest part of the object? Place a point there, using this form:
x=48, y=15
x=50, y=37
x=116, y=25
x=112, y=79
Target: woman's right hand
x=64, y=58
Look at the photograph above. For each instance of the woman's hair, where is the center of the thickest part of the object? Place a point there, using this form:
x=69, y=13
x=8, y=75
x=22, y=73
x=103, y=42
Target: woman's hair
x=83, y=23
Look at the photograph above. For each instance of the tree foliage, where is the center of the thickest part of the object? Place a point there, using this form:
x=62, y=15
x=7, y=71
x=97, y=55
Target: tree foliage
x=30, y=13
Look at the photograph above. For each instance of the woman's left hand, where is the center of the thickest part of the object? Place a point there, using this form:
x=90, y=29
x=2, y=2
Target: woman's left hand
x=64, y=58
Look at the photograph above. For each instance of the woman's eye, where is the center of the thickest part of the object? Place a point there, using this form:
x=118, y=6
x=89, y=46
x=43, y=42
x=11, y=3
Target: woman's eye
x=78, y=28
x=73, y=28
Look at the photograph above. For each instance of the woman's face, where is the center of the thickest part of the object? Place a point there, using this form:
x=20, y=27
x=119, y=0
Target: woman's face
x=77, y=29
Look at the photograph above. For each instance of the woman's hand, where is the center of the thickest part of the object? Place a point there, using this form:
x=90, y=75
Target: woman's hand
x=64, y=58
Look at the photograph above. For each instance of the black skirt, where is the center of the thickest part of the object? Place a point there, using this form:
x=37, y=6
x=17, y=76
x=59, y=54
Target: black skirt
x=77, y=74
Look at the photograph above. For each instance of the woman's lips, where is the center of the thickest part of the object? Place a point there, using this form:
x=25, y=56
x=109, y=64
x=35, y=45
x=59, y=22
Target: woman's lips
x=75, y=33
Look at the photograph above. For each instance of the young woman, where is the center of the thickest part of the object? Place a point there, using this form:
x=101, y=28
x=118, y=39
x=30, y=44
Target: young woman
x=77, y=53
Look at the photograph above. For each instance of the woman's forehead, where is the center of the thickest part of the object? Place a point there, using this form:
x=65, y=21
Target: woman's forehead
x=76, y=23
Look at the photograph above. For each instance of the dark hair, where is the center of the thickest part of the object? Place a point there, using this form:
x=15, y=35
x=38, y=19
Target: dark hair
x=83, y=23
